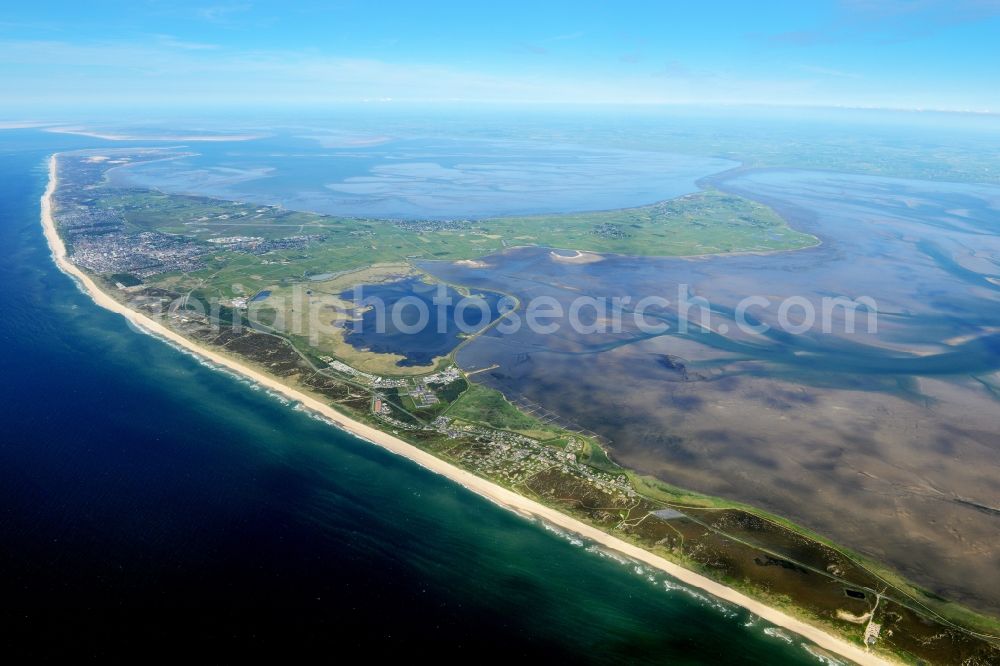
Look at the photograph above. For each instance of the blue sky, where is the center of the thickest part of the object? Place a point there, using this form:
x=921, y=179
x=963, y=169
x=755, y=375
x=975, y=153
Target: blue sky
x=868, y=53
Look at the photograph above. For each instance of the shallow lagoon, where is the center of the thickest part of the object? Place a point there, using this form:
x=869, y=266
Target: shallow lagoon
x=416, y=320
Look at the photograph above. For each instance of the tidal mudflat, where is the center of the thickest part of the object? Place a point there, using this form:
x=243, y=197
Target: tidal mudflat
x=884, y=440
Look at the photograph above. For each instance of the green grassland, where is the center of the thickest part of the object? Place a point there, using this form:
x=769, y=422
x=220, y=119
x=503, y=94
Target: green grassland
x=486, y=406
x=706, y=222
x=701, y=223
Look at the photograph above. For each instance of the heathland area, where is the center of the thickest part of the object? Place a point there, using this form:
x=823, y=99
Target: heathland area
x=269, y=290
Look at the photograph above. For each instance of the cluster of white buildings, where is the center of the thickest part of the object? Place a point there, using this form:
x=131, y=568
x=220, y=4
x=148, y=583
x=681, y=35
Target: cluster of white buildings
x=363, y=377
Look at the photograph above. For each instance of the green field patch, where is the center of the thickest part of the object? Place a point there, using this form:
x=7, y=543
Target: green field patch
x=486, y=406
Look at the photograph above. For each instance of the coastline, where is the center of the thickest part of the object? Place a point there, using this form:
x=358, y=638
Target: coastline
x=486, y=489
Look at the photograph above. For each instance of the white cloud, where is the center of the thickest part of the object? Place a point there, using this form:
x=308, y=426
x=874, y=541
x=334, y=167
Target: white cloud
x=174, y=43
x=827, y=71
x=222, y=13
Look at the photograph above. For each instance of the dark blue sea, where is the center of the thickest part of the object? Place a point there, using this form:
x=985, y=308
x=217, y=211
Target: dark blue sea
x=150, y=505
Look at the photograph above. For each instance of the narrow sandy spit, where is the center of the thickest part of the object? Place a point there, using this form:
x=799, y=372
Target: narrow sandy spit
x=497, y=494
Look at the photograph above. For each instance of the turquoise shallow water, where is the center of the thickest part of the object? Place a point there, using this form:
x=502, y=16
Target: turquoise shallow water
x=149, y=503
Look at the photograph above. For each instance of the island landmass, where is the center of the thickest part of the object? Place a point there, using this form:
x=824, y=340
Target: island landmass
x=217, y=277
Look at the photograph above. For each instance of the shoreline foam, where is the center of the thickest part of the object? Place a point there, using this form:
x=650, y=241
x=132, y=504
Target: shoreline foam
x=499, y=495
